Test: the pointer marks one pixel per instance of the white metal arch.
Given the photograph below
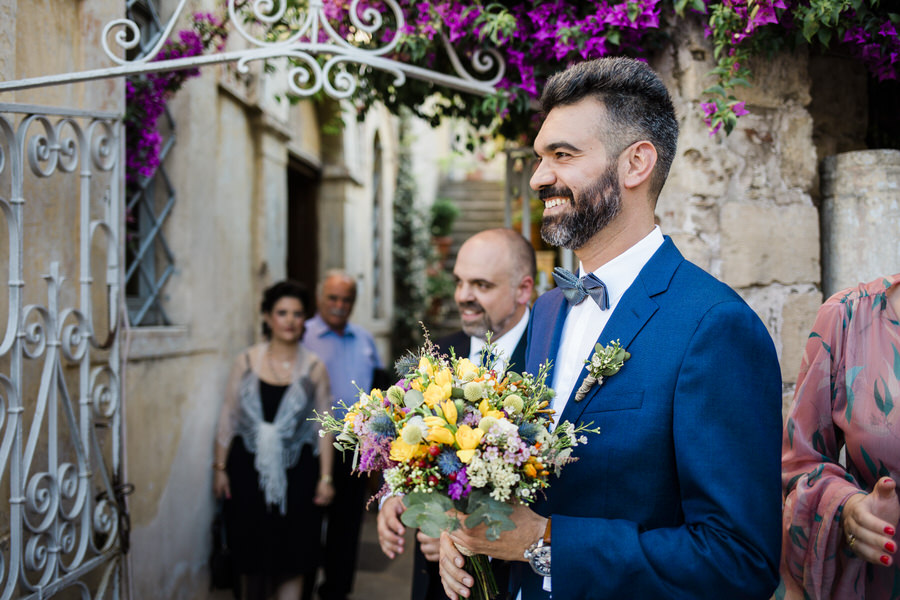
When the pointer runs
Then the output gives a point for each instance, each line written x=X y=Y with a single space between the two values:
x=314 y=36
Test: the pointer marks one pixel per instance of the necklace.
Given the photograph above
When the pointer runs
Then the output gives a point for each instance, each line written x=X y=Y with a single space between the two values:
x=281 y=369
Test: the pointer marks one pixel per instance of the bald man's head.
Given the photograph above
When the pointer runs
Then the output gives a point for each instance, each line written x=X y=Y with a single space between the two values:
x=494 y=271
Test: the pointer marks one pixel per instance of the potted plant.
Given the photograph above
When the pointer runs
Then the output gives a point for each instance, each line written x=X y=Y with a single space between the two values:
x=443 y=214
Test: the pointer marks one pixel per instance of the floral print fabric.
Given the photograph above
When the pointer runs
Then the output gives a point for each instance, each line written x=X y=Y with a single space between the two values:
x=846 y=398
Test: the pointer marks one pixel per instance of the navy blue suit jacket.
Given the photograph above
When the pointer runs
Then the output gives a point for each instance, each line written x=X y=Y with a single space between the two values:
x=679 y=496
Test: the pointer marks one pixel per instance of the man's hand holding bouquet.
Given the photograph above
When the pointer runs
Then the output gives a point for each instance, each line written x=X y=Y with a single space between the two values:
x=458 y=441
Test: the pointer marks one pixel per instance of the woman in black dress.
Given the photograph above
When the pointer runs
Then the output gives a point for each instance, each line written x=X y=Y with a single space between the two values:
x=271 y=466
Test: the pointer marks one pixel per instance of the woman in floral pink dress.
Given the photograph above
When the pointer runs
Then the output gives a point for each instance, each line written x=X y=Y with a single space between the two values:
x=840 y=521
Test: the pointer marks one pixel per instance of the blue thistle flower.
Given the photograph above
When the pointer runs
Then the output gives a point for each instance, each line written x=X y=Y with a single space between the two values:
x=529 y=432
x=448 y=462
x=383 y=426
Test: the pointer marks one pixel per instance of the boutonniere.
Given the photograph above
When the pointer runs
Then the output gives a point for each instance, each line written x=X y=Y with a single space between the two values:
x=604 y=362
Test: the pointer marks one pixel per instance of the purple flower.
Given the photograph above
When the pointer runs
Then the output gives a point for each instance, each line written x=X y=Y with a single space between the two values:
x=374 y=454
x=459 y=488
x=887 y=29
x=146 y=96
x=739 y=110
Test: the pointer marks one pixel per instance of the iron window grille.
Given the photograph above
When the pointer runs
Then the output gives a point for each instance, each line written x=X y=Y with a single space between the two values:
x=149 y=261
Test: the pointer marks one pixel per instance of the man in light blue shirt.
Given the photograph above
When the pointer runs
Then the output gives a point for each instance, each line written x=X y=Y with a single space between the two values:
x=350 y=355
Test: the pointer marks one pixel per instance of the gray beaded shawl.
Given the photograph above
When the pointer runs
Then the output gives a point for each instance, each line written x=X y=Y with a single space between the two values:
x=276 y=445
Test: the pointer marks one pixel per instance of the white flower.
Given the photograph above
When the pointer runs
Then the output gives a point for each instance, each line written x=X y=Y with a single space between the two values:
x=414 y=431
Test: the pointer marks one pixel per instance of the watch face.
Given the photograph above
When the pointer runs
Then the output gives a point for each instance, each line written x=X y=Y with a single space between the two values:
x=540 y=560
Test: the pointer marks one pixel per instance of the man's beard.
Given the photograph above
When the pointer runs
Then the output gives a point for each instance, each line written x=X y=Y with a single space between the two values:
x=592 y=210
x=480 y=328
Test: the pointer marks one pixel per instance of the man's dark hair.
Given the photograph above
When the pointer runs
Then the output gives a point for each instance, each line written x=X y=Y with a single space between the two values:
x=283 y=289
x=638 y=106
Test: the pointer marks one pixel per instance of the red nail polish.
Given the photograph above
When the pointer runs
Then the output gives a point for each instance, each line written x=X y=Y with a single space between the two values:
x=885 y=560
x=890 y=547
x=889 y=530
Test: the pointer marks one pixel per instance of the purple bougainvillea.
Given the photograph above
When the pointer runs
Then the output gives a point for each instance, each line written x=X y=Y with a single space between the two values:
x=541 y=37
x=146 y=95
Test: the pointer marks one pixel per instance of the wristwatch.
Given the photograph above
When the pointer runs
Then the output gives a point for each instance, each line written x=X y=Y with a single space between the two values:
x=538 y=554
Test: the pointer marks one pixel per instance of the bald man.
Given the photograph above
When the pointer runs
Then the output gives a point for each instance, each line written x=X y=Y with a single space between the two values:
x=495 y=272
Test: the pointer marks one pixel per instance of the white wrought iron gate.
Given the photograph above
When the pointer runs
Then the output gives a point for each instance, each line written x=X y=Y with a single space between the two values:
x=62 y=523
x=63 y=520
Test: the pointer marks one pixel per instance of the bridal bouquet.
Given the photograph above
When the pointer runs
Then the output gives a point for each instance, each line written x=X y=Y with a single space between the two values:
x=455 y=438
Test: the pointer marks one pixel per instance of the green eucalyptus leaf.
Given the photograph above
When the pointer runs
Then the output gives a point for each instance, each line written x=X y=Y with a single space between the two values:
x=482 y=508
x=428 y=512
x=413 y=399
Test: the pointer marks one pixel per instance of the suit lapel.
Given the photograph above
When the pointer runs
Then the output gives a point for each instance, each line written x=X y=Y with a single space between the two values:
x=517 y=360
x=631 y=314
x=547 y=327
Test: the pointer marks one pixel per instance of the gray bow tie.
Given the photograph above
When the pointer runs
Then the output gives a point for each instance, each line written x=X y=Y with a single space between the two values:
x=577 y=289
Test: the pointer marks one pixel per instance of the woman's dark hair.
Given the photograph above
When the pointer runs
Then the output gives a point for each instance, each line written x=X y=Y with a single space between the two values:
x=283 y=289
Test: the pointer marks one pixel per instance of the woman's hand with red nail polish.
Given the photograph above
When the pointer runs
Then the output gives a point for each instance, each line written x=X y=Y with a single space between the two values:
x=867 y=519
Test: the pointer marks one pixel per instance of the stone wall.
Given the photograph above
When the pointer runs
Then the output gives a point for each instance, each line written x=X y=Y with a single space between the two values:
x=860 y=213
x=741 y=206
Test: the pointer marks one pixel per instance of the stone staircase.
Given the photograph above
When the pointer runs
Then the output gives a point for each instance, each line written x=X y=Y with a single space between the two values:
x=482 y=206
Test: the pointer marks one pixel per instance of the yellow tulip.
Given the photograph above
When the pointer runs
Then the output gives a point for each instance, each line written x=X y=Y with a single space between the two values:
x=425 y=366
x=466 y=369
x=440 y=435
x=443 y=377
x=449 y=408
x=435 y=394
x=484 y=407
x=416 y=384
x=402 y=452
x=468 y=438
x=435 y=421
x=376 y=395
x=465 y=456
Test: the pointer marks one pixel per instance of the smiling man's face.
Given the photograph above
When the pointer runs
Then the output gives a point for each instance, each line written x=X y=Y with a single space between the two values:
x=489 y=295
x=576 y=178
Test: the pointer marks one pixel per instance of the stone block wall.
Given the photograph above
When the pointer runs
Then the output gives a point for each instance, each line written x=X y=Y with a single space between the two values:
x=742 y=206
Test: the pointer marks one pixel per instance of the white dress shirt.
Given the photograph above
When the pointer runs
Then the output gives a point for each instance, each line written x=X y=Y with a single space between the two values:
x=585 y=322
x=505 y=345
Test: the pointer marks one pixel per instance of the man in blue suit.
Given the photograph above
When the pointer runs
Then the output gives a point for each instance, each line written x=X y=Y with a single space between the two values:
x=679 y=495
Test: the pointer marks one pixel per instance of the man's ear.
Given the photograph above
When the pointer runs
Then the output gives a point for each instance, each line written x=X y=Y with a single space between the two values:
x=637 y=164
x=525 y=290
